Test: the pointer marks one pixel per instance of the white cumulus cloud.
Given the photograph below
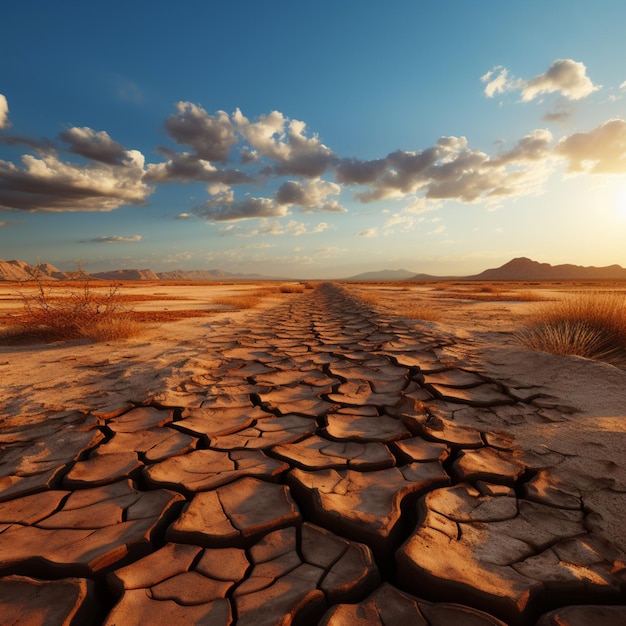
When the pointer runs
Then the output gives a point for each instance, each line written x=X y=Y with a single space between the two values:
x=599 y=151
x=498 y=81
x=4 y=112
x=184 y=167
x=221 y=210
x=564 y=76
x=95 y=145
x=211 y=136
x=450 y=170
x=285 y=142
x=48 y=184
x=312 y=195
x=370 y=232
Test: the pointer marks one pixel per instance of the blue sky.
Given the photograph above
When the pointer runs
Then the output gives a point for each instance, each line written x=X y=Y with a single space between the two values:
x=312 y=140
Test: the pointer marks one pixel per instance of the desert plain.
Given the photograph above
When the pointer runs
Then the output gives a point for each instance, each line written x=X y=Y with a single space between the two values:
x=313 y=455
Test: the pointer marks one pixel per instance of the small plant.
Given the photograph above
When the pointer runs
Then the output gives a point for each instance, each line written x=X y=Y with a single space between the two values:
x=591 y=325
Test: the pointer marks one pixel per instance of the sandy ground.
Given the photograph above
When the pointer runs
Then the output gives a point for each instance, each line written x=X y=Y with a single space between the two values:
x=589 y=396
x=46 y=378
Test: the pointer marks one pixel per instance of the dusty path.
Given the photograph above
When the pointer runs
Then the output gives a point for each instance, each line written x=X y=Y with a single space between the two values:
x=318 y=469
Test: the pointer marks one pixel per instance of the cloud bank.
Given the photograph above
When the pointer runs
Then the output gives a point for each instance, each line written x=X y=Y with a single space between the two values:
x=114 y=239
x=272 y=167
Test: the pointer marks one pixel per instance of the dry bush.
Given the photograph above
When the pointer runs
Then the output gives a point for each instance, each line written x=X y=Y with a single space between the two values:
x=418 y=311
x=493 y=289
x=113 y=327
x=291 y=289
x=243 y=301
x=246 y=300
x=76 y=313
x=526 y=295
x=369 y=297
x=591 y=325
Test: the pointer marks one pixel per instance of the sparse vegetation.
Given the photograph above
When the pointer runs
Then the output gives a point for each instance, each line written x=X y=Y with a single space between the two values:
x=489 y=293
x=591 y=325
x=413 y=309
x=247 y=299
x=241 y=301
x=50 y=314
x=291 y=288
x=419 y=311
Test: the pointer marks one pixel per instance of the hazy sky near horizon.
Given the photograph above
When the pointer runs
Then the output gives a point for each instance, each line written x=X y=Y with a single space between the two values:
x=313 y=140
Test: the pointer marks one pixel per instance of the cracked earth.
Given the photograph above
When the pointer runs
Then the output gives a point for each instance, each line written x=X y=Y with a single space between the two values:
x=321 y=463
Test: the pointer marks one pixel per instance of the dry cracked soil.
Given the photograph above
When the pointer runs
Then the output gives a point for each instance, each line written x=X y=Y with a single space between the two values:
x=320 y=470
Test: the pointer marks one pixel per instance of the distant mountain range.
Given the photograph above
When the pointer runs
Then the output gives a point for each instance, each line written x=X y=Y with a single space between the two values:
x=517 y=269
x=523 y=268
x=21 y=271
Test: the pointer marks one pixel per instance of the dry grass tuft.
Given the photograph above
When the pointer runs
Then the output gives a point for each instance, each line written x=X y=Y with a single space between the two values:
x=416 y=310
x=248 y=299
x=591 y=325
x=491 y=293
x=239 y=302
x=291 y=289
x=526 y=295
x=77 y=313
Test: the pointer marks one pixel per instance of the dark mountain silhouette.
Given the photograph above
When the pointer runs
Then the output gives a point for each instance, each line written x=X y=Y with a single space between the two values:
x=526 y=269
x=383 y=275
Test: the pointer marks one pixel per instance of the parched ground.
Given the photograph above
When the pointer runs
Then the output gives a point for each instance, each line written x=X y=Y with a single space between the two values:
x=318 y=460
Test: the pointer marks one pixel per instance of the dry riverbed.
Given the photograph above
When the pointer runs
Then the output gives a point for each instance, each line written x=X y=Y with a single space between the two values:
x=317 y=457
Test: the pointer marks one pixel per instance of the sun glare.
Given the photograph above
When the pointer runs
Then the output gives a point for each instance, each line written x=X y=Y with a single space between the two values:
x=620 y=203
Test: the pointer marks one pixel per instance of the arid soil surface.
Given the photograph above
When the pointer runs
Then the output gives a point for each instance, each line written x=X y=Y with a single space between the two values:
x=319 y=459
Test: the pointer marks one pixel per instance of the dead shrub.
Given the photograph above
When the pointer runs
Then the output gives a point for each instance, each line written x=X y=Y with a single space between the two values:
x=50 y=314
x=591 y=325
